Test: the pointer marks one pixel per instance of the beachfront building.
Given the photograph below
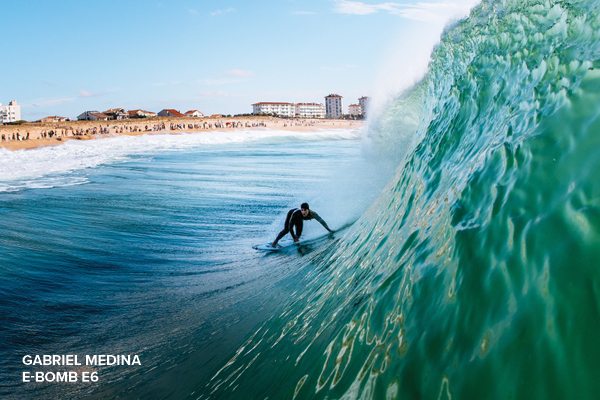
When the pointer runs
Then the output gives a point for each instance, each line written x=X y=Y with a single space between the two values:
x=281 y=109
x=310 y=110
x=92 y=116
x=355 y=110
x=10 y=113
x=194 y=114
x=333 y=106
x=364 y=104
x=141 y=114
x=54 y=118
x=116 y=113
x=284 y=109
x=170 y=112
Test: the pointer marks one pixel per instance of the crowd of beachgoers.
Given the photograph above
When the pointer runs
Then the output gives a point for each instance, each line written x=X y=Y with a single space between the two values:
x=31 y=135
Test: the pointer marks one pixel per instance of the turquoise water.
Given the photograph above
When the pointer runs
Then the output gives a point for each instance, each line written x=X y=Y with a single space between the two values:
x=473 y=273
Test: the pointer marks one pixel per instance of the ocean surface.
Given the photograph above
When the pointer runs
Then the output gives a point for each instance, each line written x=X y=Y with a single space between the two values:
x=142 y=245
x=468 y=270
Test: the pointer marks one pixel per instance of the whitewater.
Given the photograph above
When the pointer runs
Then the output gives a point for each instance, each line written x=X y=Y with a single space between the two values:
x=469 y=270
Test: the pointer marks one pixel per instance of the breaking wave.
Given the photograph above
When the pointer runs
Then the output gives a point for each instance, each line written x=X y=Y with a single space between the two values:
x=475 y=272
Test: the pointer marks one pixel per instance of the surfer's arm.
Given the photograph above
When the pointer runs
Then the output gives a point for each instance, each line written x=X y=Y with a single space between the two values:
x=298 y=230
x=294 y=236
x=321 y=221
x=293 y=226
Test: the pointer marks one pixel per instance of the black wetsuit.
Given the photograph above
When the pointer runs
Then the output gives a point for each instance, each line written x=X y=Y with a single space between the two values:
x=295 y=219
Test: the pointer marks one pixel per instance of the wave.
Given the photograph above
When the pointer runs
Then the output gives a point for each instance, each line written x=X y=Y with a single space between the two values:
x=474 y=273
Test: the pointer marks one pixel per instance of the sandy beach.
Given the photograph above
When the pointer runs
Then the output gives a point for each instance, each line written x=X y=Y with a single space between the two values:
x=34 y=135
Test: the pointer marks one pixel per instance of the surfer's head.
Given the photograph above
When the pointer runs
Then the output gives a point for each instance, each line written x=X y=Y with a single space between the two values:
x=304 y=209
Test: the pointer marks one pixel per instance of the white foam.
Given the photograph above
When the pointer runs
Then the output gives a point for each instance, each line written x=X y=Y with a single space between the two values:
x=24 y=168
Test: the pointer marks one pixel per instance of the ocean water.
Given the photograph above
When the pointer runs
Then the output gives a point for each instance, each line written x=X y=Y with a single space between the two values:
x=476 y=272
x=142 y=245
x=470 y=272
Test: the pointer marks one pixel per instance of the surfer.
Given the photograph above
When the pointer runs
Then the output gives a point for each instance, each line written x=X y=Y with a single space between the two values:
x=295 y=219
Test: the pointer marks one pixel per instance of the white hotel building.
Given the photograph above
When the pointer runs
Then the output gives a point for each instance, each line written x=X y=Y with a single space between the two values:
x=279 y=109
x=301 y=110
x=310 y=110
x=10 y=113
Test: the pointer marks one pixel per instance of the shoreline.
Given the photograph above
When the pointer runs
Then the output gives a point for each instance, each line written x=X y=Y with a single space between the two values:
x=35 y=135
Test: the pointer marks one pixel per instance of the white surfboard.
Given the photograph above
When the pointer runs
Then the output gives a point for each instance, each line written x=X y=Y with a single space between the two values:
x=304 y=243
x=266 y=247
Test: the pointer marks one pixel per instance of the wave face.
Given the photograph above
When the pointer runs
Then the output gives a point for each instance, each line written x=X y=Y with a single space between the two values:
x=475 y=274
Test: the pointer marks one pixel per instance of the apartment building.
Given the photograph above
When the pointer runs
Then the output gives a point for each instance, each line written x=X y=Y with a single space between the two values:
x=10 y=112
x=333 y=106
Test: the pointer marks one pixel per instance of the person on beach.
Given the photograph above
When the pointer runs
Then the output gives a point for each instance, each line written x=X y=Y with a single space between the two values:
x=295 y=219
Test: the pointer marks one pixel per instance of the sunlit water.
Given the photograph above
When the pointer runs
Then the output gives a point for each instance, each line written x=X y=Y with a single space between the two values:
x=472 y=274
x=150 y=253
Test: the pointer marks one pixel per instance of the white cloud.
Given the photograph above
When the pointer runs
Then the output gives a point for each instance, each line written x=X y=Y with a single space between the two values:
x=338 y=68
x=420 y=11
x=170 y=83
x=86 y=93
x=239 y=73
x=52 y=102
x=360 y=8
x=57 y=101
x=217 y=93
x=235 y=75
x=217 y=81
x=436 y=11
x=222 y=11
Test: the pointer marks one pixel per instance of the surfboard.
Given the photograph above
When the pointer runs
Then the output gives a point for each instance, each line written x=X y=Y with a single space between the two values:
x=303 y=244
x=266 y=247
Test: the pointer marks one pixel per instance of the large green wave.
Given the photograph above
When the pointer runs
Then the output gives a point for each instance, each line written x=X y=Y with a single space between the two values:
x=476 y=273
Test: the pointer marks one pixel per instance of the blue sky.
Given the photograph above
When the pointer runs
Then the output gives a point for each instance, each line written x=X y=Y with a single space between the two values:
x=65 y=57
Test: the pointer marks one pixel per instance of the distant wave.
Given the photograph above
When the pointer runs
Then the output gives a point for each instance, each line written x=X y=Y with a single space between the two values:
x=47 y=166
